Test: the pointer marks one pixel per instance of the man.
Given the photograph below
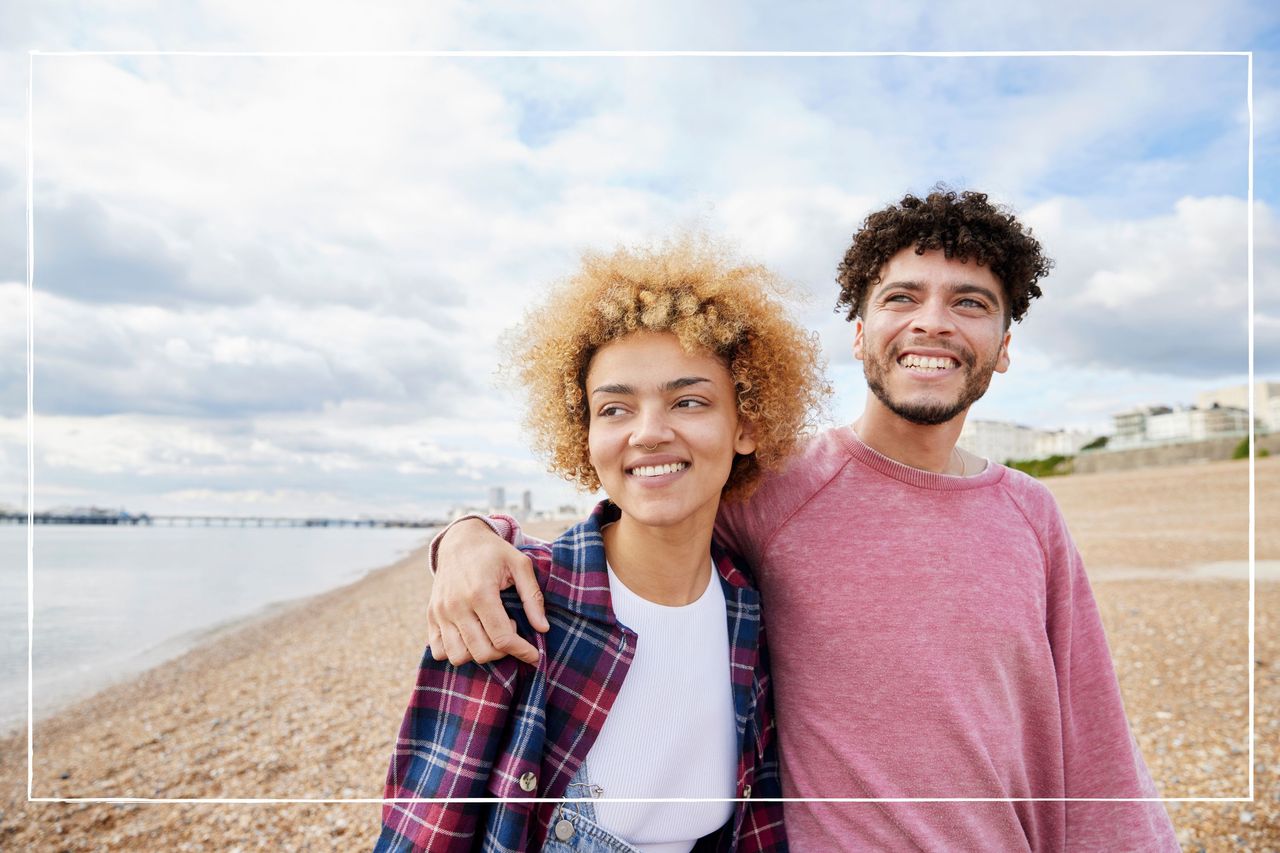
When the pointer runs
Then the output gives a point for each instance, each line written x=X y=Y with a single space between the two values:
x=932 y=630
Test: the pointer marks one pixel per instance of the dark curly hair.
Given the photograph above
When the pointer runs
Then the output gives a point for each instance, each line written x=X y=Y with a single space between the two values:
x=964 y=226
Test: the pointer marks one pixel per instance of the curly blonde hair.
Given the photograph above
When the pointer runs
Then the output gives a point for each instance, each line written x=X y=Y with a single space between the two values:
x=696 y=290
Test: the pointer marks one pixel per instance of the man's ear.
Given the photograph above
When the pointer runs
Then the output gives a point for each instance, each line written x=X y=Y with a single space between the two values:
x=1002 y=360
x=857 y=338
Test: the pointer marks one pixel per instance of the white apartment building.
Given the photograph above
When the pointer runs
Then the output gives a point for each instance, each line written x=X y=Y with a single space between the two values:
x=1062 y=442
x=497 y=499
x=1131 y=426
x=1196 y=424
x=1001 y=440
x=1215 y=416
x=1266 y=402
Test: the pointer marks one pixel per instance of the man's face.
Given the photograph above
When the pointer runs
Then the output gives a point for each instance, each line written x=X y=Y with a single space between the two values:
x=931 y=334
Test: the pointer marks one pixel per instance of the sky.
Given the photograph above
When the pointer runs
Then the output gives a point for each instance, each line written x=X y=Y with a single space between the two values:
x=276 y=285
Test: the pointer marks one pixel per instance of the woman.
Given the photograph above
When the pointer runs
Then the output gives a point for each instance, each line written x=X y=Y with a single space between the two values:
x=671 y=378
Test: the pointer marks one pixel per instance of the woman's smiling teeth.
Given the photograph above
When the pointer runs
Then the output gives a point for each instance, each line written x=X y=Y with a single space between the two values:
x=924 y=362
x=658 y=470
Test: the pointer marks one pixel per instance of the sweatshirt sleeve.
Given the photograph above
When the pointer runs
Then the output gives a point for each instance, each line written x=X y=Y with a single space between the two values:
x=736 y=531
x=1100 y=756
x=503 y=525
x=747 y=527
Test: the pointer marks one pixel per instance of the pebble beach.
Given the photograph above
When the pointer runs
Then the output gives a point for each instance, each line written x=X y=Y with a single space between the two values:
x=304 y=703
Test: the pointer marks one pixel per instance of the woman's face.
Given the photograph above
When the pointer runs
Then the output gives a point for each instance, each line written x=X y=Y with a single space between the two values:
x=664 y=428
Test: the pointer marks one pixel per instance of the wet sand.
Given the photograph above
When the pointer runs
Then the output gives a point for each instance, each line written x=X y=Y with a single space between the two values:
x=305 y=702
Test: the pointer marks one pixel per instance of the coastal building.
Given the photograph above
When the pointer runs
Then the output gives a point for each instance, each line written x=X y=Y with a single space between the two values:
x=998 y=440
x=1061 y=442
x=1130 y=426
x=1216 y=415
x=1266 y=402
x=1001 y=441
x=497 y=499
x=1196 y=424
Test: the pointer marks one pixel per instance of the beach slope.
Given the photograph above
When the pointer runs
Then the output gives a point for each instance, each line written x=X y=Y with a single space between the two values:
x=306 y=702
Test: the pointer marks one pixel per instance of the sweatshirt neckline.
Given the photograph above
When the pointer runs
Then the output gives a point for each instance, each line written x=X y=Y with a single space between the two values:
x=877 y=461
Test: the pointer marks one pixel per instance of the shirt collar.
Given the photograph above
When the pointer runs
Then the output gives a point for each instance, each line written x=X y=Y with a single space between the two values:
x=578 y=579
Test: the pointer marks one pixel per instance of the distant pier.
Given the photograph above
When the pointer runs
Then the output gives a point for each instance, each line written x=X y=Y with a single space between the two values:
x=146 y=520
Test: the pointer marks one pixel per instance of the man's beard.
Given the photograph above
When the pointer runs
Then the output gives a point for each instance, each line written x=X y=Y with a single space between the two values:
x=936 y=412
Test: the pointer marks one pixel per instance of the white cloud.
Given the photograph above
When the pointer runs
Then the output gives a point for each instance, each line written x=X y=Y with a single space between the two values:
x=233 y=361
x=1165 y=294
x=295 y=270
x=359 y=457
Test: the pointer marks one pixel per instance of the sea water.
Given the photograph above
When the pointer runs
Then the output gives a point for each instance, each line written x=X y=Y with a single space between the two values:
x=111 y=601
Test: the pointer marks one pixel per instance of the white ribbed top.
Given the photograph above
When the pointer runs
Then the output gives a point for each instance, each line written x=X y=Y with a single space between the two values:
x=671 y=731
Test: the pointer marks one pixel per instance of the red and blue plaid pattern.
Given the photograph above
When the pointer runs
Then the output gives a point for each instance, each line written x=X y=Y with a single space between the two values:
x=479 y=730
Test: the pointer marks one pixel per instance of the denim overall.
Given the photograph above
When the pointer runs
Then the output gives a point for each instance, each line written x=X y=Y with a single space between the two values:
x=574 y=828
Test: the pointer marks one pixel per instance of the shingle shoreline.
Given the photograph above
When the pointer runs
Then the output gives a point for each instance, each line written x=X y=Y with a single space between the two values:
x=305 y=702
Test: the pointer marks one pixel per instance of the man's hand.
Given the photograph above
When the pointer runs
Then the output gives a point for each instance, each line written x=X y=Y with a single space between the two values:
x=465 y=618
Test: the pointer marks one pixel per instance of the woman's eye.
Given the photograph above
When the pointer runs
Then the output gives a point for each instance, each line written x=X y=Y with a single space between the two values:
x=611 y=411
x=690 y=403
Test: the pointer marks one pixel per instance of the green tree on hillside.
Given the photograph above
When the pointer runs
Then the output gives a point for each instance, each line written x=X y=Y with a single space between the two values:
x=1050 y=466
x=1242 y=450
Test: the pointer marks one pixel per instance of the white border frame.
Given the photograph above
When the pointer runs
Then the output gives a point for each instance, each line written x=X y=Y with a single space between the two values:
x=635 y=54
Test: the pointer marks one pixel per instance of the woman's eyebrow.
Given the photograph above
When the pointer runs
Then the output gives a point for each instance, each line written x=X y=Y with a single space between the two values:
x=684 y=382
x=673 y=385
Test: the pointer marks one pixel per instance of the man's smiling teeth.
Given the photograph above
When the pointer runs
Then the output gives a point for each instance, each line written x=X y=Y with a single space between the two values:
x=924 y=362
x=658 y=470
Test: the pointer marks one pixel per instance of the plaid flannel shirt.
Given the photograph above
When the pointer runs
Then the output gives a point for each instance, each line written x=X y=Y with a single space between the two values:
x=511 y=730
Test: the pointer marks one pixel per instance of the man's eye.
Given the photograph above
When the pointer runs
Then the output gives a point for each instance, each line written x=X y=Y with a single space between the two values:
x=968 y=302
x=897 y=297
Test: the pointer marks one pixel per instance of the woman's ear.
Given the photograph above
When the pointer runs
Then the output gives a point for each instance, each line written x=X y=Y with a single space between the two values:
x=744 y=442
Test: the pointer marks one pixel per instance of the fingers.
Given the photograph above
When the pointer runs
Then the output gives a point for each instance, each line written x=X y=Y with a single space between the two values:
x=460 y=634
x=435 y=641
x=435 y=638
x=479 y=649
x=474 y=642
x=489 y=637
x=466 y=619
x=502 y=636
x=526 y=582
x=433 y=633
x=455 y=649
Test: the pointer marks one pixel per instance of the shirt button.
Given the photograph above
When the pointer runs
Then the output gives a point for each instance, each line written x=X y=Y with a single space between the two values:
x=528 y=781
x=746 y=792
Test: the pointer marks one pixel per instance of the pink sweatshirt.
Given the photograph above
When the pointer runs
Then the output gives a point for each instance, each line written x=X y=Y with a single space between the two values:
x=935 y=636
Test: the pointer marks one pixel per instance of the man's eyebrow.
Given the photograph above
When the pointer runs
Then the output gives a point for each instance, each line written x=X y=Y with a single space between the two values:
x=958 y=287
x=978 y=289
x=674 y=385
